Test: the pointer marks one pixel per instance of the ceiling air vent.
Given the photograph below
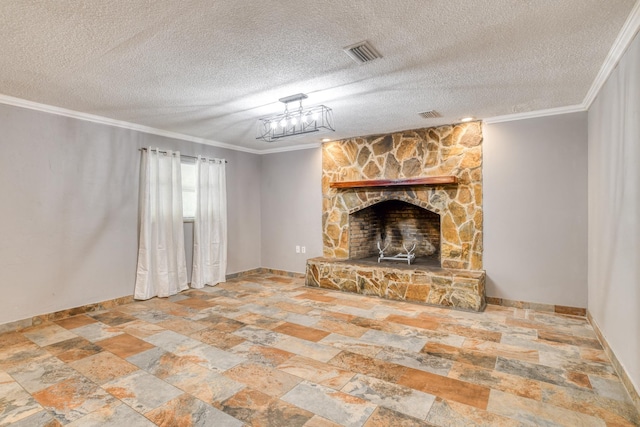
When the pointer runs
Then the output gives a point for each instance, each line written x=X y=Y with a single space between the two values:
x=362 y=52
x=431 y=114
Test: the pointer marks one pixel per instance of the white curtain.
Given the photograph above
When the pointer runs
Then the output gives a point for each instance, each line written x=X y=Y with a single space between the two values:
x=210 y=224
x=162 y=267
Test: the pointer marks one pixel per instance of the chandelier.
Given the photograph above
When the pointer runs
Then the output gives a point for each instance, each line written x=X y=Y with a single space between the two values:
x=295 y=121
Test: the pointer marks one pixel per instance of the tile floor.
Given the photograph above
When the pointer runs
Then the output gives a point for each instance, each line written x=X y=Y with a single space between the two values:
x=263 y=350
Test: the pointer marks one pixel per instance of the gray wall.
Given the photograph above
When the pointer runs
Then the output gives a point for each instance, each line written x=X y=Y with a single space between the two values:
x=535 y=209
x=614 y=211
x=68 y=216
x=291 y=208
x=70 y=204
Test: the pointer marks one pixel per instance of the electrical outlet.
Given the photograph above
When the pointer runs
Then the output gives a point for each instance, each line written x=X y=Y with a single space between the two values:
x=304 y=249
x=297 y=249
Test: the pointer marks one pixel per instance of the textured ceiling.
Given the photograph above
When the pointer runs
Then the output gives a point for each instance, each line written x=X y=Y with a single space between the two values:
x=209 y=69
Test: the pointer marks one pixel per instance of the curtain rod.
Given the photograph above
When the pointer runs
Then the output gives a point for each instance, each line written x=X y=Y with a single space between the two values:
x=184 y=155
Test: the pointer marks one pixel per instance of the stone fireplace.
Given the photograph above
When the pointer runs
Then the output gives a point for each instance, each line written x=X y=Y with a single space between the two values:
x=421 y=186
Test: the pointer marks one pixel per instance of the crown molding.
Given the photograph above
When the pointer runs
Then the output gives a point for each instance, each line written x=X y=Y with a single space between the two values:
x=622 y=42
x=23 y=103
x=533 y=114
x=291 y=148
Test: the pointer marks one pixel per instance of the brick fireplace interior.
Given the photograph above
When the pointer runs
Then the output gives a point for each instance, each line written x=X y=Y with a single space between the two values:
x=419 y=186
x=396 y=226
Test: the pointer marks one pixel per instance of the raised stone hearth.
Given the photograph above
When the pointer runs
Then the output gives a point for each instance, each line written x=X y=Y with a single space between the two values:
x=420 y=186
x=462 y=289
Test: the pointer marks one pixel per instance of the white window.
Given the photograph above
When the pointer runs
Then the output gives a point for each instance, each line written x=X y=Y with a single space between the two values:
x=188 y=190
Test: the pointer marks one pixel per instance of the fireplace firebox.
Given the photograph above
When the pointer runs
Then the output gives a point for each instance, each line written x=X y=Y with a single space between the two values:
x=395 y=227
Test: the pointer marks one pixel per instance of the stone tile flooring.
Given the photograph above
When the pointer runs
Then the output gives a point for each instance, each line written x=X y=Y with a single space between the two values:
x=263 y=350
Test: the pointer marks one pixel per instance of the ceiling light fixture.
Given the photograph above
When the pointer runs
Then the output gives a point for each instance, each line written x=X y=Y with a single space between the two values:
x=467 y=119
x=295 y=122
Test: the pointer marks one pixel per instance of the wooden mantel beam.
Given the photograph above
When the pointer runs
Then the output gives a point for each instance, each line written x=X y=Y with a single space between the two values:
x=430 y=180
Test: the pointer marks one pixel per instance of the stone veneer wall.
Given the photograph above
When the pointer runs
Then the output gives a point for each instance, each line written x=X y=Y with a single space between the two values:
x=444 y=150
